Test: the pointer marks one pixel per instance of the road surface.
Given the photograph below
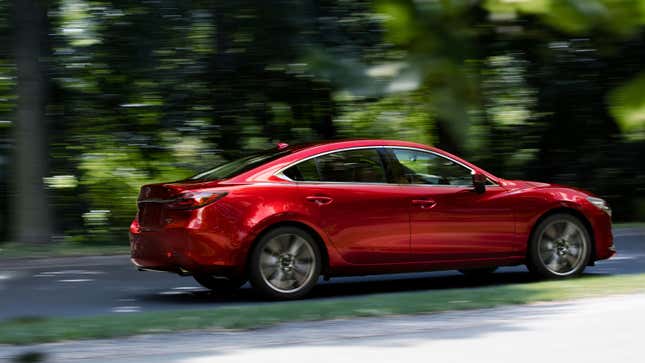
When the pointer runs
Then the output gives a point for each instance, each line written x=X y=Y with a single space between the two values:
x=111 y=285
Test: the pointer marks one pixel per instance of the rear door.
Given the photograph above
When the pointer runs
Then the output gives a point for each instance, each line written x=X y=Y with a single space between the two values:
x=365 y=218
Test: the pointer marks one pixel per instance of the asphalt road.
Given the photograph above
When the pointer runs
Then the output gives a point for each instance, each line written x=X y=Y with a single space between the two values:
x=111 y=285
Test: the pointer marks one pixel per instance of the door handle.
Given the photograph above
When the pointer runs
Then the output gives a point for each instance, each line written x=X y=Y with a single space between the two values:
x=424 y=203
x=319 y=199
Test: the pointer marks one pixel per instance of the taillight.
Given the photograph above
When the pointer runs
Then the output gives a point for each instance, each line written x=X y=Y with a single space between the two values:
x=192 y=200
x=134 y=226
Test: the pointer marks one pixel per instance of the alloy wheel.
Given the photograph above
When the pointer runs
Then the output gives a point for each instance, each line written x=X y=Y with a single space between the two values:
x=287 y=263
x=562 y=247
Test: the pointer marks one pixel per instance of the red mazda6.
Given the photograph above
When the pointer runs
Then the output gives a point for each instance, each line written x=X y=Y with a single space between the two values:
x=284 y=217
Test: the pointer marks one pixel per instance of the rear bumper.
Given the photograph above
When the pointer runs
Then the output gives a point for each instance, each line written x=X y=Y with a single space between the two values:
x=182 y=251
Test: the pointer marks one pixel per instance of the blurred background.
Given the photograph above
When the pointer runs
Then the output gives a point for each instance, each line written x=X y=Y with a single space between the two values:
x=98 y=97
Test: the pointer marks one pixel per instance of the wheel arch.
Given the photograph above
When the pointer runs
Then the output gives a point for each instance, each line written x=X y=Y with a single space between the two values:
x=575 y=213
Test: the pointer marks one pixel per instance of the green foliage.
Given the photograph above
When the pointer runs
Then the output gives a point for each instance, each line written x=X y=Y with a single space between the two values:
x=155 y=91
x=398 y=20
x=627 y=106
x=403 y=116
x=579 y=17
x=111 y=177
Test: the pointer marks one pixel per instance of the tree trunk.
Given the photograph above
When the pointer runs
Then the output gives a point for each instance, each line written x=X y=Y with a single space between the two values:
x=31 y=222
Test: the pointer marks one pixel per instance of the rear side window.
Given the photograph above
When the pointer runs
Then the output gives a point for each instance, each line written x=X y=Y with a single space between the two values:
x=351 y=166
x=304 y=171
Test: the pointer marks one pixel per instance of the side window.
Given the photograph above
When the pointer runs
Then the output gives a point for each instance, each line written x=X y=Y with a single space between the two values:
x=353 y=166
x=303 y=171
x=419 y=167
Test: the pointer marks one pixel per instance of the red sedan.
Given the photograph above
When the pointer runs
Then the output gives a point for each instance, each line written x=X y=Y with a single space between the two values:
x=282 y=218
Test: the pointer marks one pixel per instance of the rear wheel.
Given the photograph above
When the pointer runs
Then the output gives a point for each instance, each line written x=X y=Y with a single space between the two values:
x=285 y=263
x=560 y=247
x=219 y=284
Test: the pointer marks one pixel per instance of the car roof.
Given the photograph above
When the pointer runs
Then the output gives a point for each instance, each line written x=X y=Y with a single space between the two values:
x=337 y=144
x=301 y=151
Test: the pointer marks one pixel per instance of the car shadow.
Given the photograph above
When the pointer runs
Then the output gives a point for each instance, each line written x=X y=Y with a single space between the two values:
x=418 y=283
x=353 y=286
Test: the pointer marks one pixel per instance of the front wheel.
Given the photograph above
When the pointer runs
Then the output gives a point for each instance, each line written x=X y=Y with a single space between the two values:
x=560 y=247
x=285 y=263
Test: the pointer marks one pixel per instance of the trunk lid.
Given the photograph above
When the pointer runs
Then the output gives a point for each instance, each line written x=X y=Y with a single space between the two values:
x=168 y=191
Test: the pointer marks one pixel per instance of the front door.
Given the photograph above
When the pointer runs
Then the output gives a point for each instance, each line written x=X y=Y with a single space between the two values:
x=448 y=219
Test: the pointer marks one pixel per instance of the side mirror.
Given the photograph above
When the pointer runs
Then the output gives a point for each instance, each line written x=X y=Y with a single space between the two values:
x=479 y=182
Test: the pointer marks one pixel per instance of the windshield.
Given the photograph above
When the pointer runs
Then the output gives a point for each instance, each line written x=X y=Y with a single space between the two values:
x=239 y=166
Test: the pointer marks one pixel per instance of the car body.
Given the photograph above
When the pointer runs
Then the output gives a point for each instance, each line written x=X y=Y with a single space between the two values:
x=369 y=206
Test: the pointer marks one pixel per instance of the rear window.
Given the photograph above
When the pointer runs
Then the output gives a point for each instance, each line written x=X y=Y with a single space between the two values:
x=241 y=165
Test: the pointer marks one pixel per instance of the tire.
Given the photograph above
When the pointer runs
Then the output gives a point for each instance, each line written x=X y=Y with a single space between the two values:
x=285 y=263
x=219 y=284
x=560 y=247
x=478 y=272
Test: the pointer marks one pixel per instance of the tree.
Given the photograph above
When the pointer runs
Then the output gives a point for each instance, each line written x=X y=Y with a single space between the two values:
x=30 y=207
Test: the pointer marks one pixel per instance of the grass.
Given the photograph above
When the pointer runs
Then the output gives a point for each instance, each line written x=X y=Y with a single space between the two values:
x=30 y=330
x=16 y=250
x=628 y=225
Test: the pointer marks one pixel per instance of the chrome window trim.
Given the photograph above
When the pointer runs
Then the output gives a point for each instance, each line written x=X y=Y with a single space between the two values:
x=281 y=175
